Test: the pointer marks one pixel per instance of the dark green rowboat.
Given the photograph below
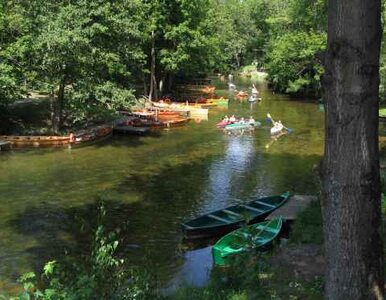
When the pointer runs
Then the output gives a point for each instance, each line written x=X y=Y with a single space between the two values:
x=232 y=217
x=245 y=240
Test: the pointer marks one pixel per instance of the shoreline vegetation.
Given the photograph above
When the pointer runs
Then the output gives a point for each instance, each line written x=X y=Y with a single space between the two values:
x=284 y=271
x=292 y=269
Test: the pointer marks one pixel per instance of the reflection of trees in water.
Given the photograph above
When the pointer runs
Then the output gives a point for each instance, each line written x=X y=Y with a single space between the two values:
x=152 y=234
x=232 y=176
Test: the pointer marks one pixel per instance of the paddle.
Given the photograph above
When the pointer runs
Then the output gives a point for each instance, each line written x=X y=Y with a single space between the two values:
x=269 y=117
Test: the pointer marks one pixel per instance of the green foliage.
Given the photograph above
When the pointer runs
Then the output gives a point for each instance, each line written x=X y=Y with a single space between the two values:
x=292 y=66
x=297 y=34
x=97 y=275
x=382 y=67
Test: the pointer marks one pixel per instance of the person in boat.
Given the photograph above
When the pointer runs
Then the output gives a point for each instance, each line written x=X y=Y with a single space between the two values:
x=277 y=127
x=72 y=137
x=251 y=121
x=225 y=119
x=242 y=121
x=242 y=94
x=255 y=92
x=232 y=119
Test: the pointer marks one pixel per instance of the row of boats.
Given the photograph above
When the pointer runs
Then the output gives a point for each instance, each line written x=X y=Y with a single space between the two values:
x=239 y=224
x=162 y=114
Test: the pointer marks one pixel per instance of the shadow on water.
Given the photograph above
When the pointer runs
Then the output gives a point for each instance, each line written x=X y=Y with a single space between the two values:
x=151 y=227
x=153 y=184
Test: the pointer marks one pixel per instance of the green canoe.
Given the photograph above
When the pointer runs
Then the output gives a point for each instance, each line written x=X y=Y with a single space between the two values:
x=245 y=240
x=239 y=126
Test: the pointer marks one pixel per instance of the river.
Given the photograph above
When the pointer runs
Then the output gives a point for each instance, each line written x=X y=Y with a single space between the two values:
x=151 y=184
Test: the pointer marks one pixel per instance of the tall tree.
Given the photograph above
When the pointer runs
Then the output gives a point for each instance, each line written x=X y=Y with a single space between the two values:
x=350 y=171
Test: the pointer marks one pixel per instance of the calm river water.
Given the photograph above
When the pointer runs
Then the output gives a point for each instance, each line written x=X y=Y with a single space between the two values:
x=151 y=184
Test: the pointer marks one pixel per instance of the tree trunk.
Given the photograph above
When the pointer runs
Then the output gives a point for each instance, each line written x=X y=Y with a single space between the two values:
x=153 y=81
x=350 y=171
x=58 y=109
x=144 y=85
x=237 y=57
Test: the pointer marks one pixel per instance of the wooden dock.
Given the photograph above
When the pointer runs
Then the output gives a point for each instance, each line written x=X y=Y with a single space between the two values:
x=293 y=207
x=5 y=145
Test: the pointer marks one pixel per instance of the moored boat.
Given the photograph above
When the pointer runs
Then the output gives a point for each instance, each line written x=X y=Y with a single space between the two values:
x=92 y=135
x=160 y=123
x=244 y=240
x=219 y=101
x=129 y=129
x=80 y=137
x=36 y=141
x=232 y=217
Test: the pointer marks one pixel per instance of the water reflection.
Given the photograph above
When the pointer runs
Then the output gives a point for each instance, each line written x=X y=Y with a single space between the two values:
x=225 y=171
x=274 y=138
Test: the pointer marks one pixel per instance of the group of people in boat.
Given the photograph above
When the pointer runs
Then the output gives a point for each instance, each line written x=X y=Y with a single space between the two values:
x=277 y=128
x=232 y=119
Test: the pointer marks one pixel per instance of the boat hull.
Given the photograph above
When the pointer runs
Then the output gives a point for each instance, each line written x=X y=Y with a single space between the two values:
x=237 y=126
x=245 y=240
x=81 y=137
x=232 y=217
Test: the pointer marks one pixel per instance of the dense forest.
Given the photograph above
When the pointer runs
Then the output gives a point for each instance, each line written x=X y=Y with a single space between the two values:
x=95 y=56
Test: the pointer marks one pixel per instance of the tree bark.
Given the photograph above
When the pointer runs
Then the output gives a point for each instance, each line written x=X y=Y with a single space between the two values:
x=58 y=109
x=351 y=203
x=153 y=81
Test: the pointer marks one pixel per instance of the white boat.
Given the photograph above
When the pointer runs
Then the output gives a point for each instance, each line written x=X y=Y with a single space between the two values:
x=277 y=128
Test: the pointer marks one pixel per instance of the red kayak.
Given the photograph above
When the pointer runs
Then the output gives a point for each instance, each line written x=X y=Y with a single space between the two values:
x=223 y=123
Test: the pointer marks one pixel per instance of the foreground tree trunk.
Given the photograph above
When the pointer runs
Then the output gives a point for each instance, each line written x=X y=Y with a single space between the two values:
x=350 y=171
